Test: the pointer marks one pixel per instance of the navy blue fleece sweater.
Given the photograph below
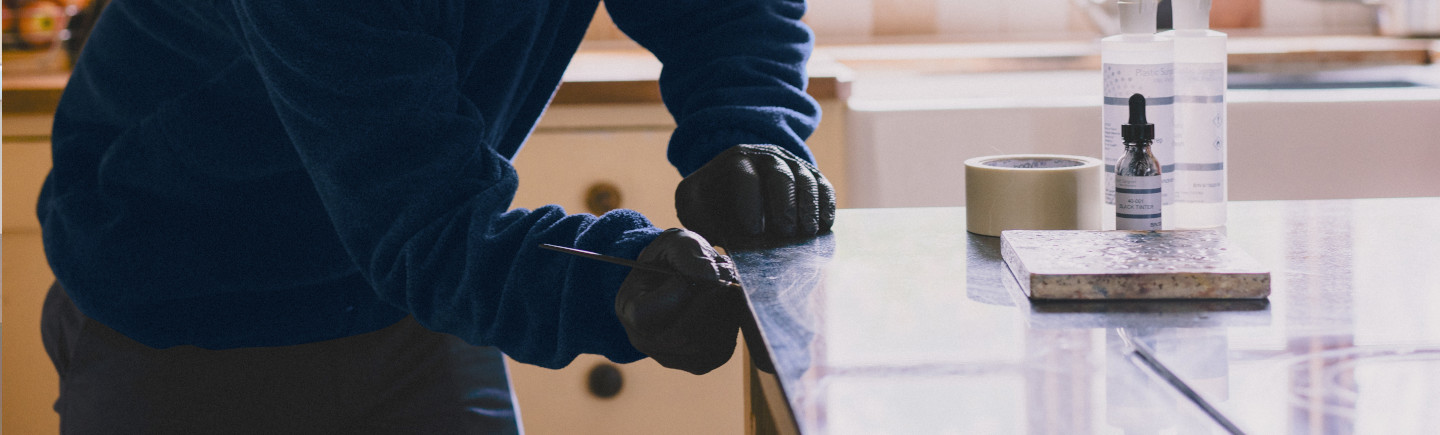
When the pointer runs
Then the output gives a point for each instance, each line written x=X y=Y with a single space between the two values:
x=237 y=173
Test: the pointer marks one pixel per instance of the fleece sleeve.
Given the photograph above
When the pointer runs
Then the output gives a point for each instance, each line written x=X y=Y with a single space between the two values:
x=734 y=72
x=371 y=102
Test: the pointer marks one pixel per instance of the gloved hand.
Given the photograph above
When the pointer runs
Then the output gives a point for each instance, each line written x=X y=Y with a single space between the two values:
x=752 y=193
x=686 y=322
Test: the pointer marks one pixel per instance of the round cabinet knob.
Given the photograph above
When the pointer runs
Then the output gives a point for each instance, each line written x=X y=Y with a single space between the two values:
x=40 y=23
x=605 y=380
x=602 y=197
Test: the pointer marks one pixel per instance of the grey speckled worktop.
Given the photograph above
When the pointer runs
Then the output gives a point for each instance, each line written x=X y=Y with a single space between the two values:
x=901 y=322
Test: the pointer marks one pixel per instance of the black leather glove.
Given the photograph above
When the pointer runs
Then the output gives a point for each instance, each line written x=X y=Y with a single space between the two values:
x=753 y=193
x=686 y=322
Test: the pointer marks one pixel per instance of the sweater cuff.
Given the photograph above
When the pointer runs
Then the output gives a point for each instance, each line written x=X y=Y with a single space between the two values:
x=607 y=336
x=690 y=150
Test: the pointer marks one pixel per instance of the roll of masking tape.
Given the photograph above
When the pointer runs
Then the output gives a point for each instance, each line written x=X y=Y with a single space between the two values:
x=1032 y=192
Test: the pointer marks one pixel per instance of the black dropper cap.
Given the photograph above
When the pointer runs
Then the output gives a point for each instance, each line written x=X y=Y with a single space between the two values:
x=1137 y=129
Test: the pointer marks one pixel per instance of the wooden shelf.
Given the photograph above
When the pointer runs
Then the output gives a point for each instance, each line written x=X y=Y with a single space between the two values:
x=594 y=77
x=1246 y=53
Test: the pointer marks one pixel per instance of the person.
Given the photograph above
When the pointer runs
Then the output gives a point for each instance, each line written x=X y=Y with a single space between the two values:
x=272 y=216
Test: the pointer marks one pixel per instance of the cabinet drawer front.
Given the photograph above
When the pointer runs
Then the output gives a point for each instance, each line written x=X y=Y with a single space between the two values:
x=651 y=400
x=26 y=160
x=565 y=167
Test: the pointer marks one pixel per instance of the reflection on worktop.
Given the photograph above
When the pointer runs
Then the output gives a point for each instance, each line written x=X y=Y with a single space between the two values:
x=900 y=322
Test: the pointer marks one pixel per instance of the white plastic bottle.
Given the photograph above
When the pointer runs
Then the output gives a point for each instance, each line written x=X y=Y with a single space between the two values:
x=1138 y=61
x=1200 y=79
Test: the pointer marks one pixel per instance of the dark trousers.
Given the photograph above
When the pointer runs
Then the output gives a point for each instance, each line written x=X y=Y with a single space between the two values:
x=403 y=379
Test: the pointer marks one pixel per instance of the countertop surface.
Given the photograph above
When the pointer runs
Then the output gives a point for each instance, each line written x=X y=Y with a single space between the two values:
x=901 y=322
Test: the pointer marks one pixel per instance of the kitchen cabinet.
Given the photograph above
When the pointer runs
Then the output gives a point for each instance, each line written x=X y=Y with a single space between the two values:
x=588 y=159
x=30 y=385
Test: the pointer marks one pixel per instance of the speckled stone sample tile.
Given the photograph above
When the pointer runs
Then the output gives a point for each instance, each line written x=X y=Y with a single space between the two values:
x=1192 y=264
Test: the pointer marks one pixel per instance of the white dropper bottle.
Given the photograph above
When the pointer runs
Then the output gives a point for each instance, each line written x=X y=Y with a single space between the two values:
x=1200 y=124
x=1138 y=61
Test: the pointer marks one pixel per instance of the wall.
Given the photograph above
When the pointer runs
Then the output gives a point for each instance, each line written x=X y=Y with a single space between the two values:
x=845 y=21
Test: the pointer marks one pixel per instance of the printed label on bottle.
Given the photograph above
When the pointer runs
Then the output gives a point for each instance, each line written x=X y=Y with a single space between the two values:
x=1199 y=186
x=1157 y=83
x=1200 y=132
x=1137 y=202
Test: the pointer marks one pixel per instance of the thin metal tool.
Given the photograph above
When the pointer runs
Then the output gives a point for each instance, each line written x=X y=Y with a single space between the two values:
x=622 y=261
x=1146 y=356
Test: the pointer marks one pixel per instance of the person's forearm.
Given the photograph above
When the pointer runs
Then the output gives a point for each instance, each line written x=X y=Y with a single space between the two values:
x=734 y=73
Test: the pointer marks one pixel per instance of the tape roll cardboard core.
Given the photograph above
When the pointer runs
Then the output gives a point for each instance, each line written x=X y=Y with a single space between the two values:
x=1032 y=192
x=1032 y=163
